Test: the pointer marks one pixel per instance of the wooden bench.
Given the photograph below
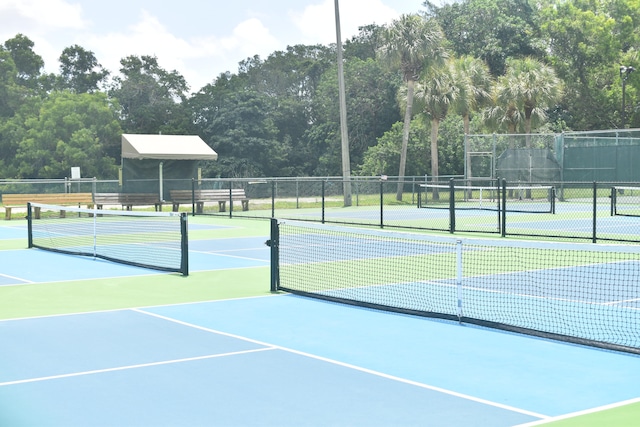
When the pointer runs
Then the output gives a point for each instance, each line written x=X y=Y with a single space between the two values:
x=128 y=200
x=200 y=197
x=11 y=201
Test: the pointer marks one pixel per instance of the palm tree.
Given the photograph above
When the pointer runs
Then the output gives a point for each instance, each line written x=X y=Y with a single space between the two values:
x=537 y=87
x=437 y=93
x=412 y=44
x=473 y=79
x=524 y=93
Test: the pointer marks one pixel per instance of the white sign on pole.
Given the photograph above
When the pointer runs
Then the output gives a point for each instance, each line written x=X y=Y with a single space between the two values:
x=75 y=172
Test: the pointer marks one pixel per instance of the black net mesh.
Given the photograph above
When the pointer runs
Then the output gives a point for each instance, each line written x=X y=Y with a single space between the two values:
x=583 y=293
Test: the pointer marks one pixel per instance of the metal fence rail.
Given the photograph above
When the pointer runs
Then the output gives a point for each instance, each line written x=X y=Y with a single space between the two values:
x=576 y=211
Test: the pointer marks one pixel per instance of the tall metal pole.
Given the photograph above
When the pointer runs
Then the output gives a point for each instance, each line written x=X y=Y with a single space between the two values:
x=624 y=84
x=346 y=161
x=624 y=75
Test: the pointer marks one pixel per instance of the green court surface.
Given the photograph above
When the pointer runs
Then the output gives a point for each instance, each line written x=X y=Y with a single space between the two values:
x=158 y=289
x=42 y=299
x=621 y=416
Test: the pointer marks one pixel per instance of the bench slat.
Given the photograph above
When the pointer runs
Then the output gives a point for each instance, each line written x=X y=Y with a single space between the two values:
x=11 y=200
x=128 y=200
x=202 y=196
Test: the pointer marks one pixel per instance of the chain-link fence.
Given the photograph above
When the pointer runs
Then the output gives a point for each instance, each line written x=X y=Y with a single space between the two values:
x=591 y=211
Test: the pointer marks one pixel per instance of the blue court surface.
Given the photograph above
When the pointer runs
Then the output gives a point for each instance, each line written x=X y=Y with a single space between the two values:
x=204 y=255
x=279 y=360
x=289 y=361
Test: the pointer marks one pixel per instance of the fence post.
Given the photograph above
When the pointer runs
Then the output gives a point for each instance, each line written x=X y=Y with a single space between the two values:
x=452 y=207
x=381 y=203
x=595 y=211
x=193 y=197
x=503 y=210
x=323 y=189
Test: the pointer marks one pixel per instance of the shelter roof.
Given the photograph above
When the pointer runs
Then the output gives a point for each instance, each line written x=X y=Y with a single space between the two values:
x=166 y=147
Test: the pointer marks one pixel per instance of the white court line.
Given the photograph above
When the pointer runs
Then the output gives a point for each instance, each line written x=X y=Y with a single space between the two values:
x=113 y=310
x=229 y=256
x=576 y=414
x=24 y=281
x=123 y=368
x=222 y=251
x=347 y=365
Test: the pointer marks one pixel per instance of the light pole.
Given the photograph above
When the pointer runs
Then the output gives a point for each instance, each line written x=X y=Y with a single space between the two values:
x=624 y=75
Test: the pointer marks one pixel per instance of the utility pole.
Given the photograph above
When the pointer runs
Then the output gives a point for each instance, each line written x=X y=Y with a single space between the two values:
x=346 y=161
x=624 y=75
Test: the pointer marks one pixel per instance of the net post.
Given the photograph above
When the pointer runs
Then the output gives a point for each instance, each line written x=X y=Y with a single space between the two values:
x=452 y=207
x=273 y=198
x=595 y=211
x=553 y=199
x=503 y=211
x=613 y=201
x=274 y=244
x=459 y=278
x=496 y=184
x=184 y=244
x=29 y=226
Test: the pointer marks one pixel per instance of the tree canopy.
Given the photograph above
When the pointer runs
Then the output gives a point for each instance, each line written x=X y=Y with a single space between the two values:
x=511 y=66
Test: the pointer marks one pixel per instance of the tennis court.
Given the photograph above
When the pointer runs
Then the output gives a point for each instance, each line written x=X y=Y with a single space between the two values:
x=91 y=342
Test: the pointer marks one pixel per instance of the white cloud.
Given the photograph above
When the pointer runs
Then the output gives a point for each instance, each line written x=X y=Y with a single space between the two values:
x=40 y=21
x=200 y=55
x=39 y=16
x=317 y=22
x=149 y=37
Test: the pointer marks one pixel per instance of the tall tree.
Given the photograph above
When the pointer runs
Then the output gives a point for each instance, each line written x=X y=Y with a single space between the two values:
x=243 y=133
x=537 y=85
x=28 y=63
x=411 y=44
x=80 y=70
x=372 y=109
x=473 y=81
x=584 y=49
x=437 y=93
x=492 y=30
x=70 y=130
x=152 y=99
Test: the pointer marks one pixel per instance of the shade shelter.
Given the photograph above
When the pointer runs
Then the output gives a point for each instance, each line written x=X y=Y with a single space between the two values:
x=160 y=163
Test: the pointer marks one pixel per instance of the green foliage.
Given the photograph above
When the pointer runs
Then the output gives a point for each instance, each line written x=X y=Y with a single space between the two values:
x=243 y=134
x=152 y=99
x=27 y=62
x=80 y=70
x=585 y=43
x=69 y=130
x=491 y=30
x=384 y=158
x=279 y=116
x=371 y=110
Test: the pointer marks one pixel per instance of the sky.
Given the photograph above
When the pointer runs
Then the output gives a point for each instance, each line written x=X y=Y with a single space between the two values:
x=198 y=38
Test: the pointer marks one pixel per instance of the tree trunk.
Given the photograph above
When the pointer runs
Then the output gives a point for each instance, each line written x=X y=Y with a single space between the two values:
x=467 y=151
x=435 y=124
x=405 y=137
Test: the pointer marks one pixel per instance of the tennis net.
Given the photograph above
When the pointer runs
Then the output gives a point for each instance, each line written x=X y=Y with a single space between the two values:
x=625 y=201
x=581 y=293
x=156 y=240
x=528 y=199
